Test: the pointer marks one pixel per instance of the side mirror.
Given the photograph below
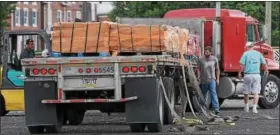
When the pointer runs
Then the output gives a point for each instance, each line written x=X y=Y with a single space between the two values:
x=263 y=40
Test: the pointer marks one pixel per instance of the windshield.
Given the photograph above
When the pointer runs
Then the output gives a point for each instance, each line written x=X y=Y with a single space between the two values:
x=250 y=31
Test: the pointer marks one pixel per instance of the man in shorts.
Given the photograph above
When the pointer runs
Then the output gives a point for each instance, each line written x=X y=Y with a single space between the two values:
x=251 y=61
x=209 y=75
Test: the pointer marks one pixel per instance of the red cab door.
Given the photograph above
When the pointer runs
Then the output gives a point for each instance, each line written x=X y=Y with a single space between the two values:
x=233 y=42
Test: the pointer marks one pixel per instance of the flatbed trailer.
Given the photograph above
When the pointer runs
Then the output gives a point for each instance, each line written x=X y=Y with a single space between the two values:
x=127 y=84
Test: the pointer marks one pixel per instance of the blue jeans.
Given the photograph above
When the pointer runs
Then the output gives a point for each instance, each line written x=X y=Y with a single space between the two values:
x=211 y=87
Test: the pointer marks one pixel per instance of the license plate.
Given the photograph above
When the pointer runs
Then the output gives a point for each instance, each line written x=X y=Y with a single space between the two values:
x=89 y=82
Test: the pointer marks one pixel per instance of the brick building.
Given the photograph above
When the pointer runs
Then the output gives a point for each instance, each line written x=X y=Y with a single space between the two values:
x=34 y=15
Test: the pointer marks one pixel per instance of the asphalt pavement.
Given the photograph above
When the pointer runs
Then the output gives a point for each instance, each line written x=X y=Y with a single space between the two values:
x=96 y=123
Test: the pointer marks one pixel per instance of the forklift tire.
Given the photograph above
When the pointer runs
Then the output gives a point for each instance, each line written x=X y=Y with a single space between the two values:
x=137 y=127
x=169 y=87
x=270 y=93
x=157 y=127
x=3 y=110
x=36 y=129
x=75 y=117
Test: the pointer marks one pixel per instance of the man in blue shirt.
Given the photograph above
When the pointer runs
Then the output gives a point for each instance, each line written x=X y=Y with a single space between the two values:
x=251 y=61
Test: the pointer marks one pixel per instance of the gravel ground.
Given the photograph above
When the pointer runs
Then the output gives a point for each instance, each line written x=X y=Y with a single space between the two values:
x=97 y=123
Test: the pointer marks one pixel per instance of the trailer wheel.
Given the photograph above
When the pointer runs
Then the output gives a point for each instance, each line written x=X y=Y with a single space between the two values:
x=3 y=111
x=157 y=127
x=36 y=129
x=75 y=117
x=137 y=127
x=169 y=87
x=270 y=92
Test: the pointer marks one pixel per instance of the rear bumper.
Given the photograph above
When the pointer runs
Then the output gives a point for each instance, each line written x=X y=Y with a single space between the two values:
x=56 y=101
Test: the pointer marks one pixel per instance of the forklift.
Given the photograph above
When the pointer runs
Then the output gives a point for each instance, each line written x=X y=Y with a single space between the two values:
x=12 y=77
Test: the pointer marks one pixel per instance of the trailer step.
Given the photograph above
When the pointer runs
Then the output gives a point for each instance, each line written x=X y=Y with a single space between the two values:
x=250 y=96
x=56 y=101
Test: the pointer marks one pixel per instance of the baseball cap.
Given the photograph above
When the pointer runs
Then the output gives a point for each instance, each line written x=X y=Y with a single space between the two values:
x=248 y=44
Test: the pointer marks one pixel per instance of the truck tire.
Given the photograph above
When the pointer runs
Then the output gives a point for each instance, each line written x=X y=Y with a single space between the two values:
x=75 y=117
x=157 y=127
x=3 y=110
x=53 y=129
x=36 y=129
x=169 y=87
x=56 y=128
x=270 y=92
x=137 y=127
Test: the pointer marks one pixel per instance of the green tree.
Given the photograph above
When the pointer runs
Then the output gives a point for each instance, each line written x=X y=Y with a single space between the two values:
x=158 y=9
x=6 y=8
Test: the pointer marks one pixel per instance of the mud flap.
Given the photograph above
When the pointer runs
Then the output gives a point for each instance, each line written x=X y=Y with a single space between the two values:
x=144 y=109
x=37 y=113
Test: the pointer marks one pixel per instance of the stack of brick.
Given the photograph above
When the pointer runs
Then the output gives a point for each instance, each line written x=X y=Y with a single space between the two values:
x=113 y=37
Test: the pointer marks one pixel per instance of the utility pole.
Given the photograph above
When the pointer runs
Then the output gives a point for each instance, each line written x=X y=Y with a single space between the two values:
x=268 y=21
x=49 y=18
x=216 y=38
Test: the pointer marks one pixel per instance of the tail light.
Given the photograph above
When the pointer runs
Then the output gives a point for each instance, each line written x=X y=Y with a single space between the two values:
x=134 y=69
x=44 y=71
x=96 y=70
x=125 y=69
x=80 y=70
x=142 y=69
x=51 y=71
x=88 y=70
x=35 y=71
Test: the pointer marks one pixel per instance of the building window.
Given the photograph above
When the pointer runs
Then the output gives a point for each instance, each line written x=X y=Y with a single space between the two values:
x=69 y=16
x=25 y=17
x=34 y=3
x=78 y=14
x=25 y=3
x=17 y=16
x=34 y=17
x=58 y=16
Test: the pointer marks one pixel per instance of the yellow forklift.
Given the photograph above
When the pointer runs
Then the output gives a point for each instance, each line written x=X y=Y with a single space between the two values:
x=11 y=75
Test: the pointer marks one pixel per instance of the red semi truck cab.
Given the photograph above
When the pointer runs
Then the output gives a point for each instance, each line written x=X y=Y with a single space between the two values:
x=236 y=30
x=228 y=34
